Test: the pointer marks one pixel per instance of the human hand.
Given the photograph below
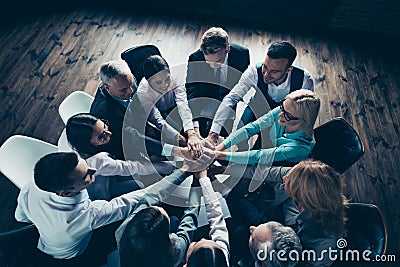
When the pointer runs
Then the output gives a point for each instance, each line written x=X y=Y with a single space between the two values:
x=182 y=140
x=197 y=165
x=220 y=147
x=207 y=144
x=213 y=138
x=194 y=144
x=200 y=174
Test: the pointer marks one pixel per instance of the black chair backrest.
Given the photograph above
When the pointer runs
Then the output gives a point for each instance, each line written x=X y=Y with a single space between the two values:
x=337 y=144
x=17 y=247
x=135 y=57
x=366 y=228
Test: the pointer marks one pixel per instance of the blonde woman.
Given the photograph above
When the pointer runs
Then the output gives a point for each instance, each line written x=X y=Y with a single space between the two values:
x=289 y=127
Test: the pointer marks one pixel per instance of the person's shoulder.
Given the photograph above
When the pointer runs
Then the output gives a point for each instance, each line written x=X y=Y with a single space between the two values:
x=238 y=47
x=301 y=69
x=196 y=56
x=100 y=99
x=142 y=87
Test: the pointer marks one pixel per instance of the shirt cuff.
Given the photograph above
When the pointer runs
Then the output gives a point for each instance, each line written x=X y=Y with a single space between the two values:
x=195 y=124
x=227 y=143
x=228 y=157
x=167 y=150
x=204 y=181
x=189 y=126
x=216 y=128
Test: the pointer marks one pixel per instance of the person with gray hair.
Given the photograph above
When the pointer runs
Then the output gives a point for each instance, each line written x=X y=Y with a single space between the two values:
x=118 y=85
x=274 y=245
x=115 y=97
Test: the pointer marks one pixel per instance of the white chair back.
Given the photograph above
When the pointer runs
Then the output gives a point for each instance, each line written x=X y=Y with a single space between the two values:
x=76 y=102
x=18 y=156
x=62 y=144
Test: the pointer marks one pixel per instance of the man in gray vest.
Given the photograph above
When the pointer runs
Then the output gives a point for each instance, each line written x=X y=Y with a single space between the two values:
x=273 y=80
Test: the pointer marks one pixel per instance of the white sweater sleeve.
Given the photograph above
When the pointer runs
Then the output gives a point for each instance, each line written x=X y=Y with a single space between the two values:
x=218 y=229
x=107 y=166
x=183 y=108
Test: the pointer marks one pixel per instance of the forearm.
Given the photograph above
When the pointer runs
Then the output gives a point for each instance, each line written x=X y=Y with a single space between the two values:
x=225 y=111
x=159 y=191
x=221 y=155
x=188 y=222
x=218 y=230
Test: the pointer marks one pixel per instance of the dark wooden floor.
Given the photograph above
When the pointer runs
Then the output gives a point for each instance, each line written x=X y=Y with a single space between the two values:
x=43 y=61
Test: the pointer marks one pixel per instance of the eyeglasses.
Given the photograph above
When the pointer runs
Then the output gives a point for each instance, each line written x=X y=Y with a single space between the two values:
x=103 y=136
x=134 y=87
x=287 y=115
x=91 y=172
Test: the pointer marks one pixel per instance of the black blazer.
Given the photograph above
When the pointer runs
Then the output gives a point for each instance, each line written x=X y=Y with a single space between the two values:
x=200 y=78
x=106 y=107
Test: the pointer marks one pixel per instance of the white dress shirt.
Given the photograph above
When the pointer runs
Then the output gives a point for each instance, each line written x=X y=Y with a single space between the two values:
x=107 y=166
x=249 y=80
x=153 y=101
x=66 y=224
x=224 y=70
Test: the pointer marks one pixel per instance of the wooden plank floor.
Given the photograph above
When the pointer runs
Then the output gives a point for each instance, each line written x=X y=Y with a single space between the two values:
x=43 y=61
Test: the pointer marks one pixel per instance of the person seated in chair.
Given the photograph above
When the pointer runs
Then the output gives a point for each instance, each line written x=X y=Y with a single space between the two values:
x=69 y=223
x=273 y=80
x=311 y=196
x=114 y=98
x=211 y=73
x=144 y=238
x=276 y=238
x=163 y=98
x=87 y=135
x=214 y=252
x=289 y=127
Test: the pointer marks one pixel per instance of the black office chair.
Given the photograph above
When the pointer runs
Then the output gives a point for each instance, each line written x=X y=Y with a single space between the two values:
x=17 y=247
x=366 y=230
x=337 y=144
x=136 y=55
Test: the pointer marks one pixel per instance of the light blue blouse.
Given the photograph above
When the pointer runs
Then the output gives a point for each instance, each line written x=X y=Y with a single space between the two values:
x=292 y=147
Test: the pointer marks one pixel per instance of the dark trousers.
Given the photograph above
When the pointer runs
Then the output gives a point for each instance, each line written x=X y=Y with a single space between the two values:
x=247 y=117
x=101 y=244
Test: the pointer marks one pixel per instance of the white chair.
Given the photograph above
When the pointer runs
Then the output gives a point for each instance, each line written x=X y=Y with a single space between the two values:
x=62 y=144
x=76 y=102
x=19 y=155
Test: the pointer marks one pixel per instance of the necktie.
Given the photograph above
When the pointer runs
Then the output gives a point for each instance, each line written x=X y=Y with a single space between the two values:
x=218 y=76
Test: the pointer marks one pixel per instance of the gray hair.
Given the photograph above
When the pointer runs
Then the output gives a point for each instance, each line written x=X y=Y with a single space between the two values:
x=112 y=69
x=283 y=239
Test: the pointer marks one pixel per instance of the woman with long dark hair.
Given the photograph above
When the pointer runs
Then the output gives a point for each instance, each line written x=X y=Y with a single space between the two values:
x=89 y=135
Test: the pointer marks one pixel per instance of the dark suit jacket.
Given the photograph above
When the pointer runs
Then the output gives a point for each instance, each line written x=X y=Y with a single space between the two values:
x=200 y=79
x=106 y=107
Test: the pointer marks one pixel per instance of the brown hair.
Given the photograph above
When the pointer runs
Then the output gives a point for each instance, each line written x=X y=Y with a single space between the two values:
x=213 y=40
x=318 y=189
